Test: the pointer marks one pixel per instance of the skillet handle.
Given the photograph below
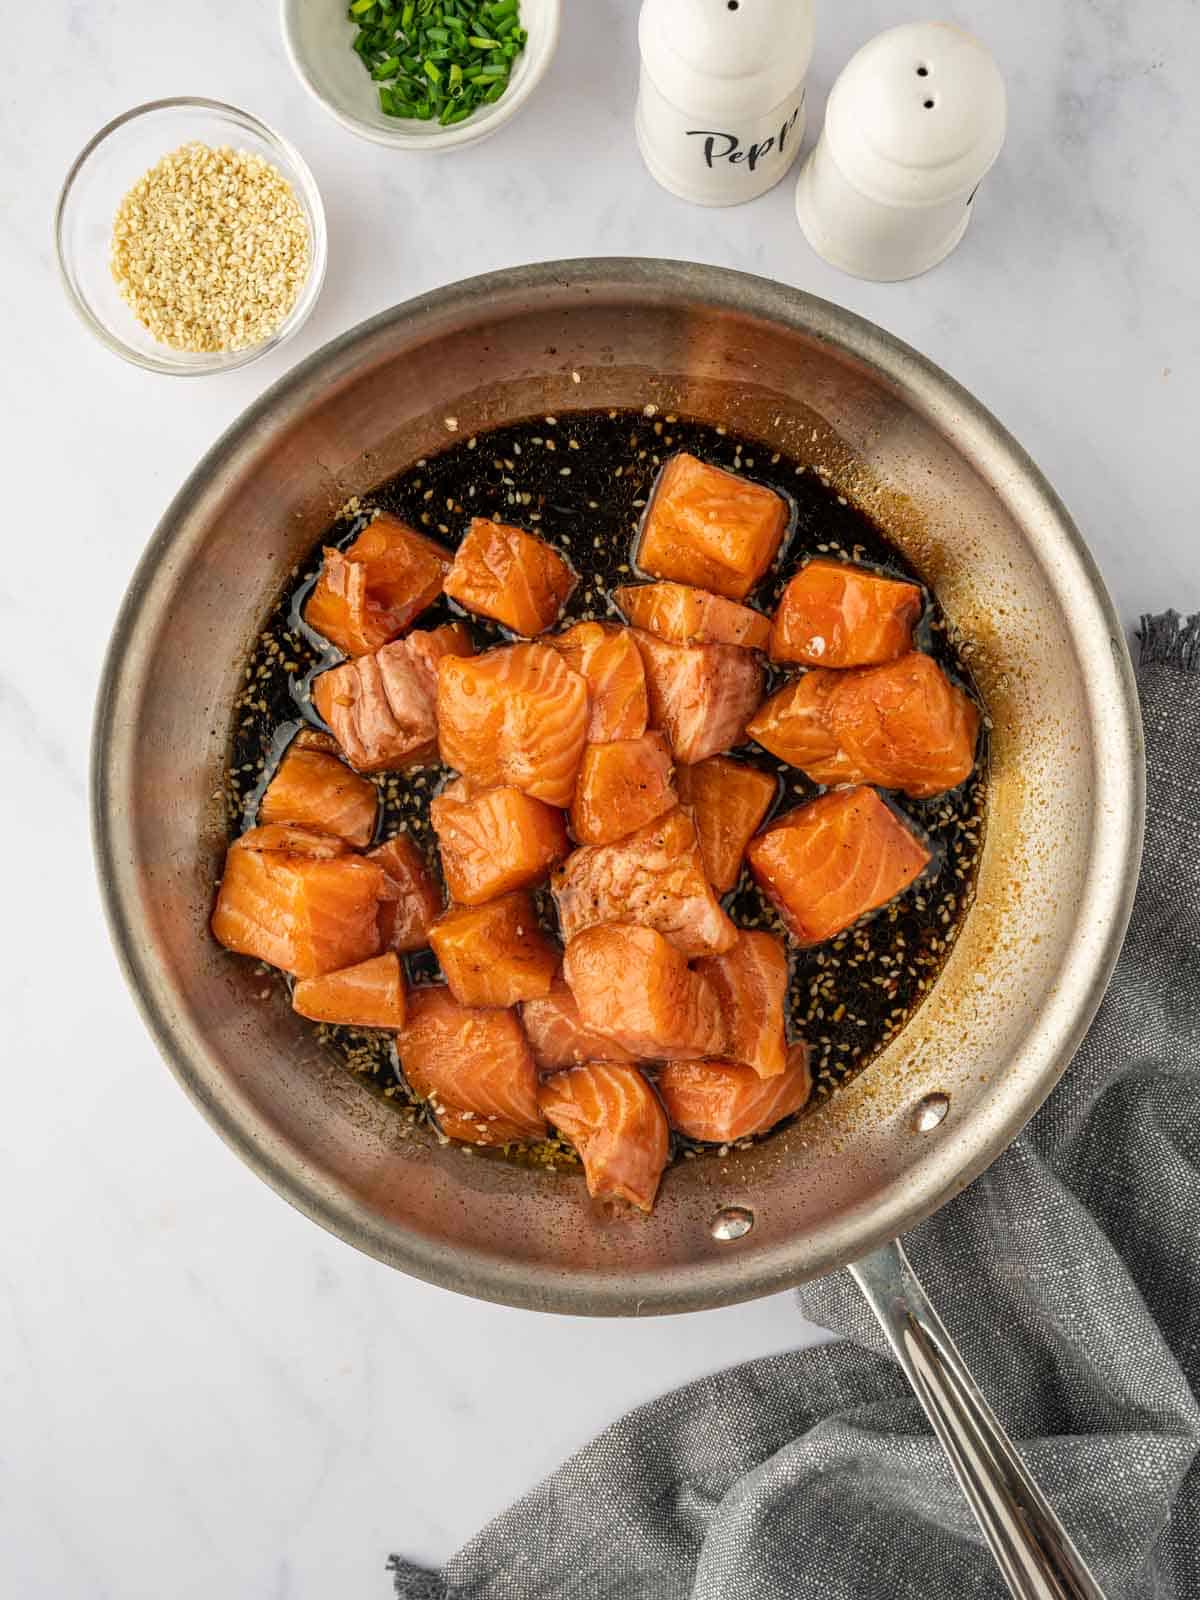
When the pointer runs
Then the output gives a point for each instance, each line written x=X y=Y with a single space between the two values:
x=1030 y=1544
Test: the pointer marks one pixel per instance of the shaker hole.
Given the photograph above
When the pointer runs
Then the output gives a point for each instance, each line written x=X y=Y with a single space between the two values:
x=922 y=72
x=929 y=104
x=734 y=5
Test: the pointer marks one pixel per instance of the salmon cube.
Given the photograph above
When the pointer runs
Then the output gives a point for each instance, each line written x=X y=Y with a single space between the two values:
x=711 y=528
x=314 y=739
x=382 y=707
x=318 y=791
x=298 y=900
x=701 y=695
x=474 y=1068
x=654 y=877
x=293 y=839
x=622 y=785
x=615 y=1122
x=683 y=615
x=728 y=801
x=828 y=863
x=720 y=1101
x=415 y=899
x=634 y=988
x=511 y=576
x=609 y=661
x=369 y=995
x=794 y=725
x=516 y=716
x=557 y=1035
x=495 y=954
x=369 y=593
x=497 y=840
x=902 y=725
x=426 y=649
x=751 y=985
x=833 y=614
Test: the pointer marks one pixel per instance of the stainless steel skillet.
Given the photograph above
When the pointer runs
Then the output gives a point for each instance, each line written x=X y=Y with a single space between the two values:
x=1056 y=879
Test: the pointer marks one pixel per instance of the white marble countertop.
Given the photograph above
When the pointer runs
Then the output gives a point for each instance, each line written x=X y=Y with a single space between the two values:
x=201 y=1394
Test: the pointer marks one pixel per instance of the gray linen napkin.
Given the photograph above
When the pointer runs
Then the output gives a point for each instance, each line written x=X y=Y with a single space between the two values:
x=1069 y=1274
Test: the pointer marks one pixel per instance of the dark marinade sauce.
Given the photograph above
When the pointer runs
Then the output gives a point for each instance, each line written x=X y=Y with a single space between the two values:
x=581 y=481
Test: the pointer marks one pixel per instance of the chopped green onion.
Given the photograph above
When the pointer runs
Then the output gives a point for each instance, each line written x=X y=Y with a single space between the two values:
x=442 y=59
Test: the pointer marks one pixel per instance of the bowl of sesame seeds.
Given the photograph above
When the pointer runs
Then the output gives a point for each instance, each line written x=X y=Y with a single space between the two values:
x=190 y=237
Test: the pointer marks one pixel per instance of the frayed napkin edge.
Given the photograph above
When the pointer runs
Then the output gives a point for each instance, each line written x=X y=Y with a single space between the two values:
x=1170 y=640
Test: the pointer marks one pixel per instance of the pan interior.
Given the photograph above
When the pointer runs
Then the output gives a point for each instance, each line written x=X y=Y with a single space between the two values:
x=962 y=502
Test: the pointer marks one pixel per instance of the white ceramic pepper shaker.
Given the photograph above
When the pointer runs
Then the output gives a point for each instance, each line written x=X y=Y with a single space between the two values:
x=720 y=111
x=912 y=126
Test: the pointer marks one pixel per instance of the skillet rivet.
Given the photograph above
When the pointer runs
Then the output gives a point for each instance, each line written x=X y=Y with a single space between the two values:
x=930 y=1111
x=732 y=1222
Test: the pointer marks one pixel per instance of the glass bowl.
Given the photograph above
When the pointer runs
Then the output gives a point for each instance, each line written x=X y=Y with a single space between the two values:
x=109 y=165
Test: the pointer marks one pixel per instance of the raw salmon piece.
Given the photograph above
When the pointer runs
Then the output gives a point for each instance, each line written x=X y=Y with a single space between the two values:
x=558 y=1037
x=826 y=864
x=298 y=900
x=382 y=707
x=426 y=649
x=294 y=839
x=610 y=662
x=902 y=725
x=720 y=1101
x=634 y=988
x=654 y=877
x=905 y=726
x=369 y=995
x=622 y=785
x=511 y=576
x=495 y=954
x=711 y=528
x=314 y=739
x=794 y=725
x=369 y=593
x=406 y=918
x=319 y=791
x=701 y=695
x=751 y=983
x=514 y=716
x=833 y=614
x=614 y=1120
x=728 y=801
x=473 y=1067
x=683 y=615
x=495 y=841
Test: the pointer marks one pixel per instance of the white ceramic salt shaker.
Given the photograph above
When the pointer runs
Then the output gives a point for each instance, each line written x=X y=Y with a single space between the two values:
x=720 y=111
x=912 y=126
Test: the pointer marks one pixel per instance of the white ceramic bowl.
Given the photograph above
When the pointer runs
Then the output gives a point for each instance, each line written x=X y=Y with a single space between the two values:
x=102 y=174
x=318 y=36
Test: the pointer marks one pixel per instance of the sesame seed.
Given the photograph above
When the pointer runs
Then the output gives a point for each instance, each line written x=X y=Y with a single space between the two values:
x=210 y=249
